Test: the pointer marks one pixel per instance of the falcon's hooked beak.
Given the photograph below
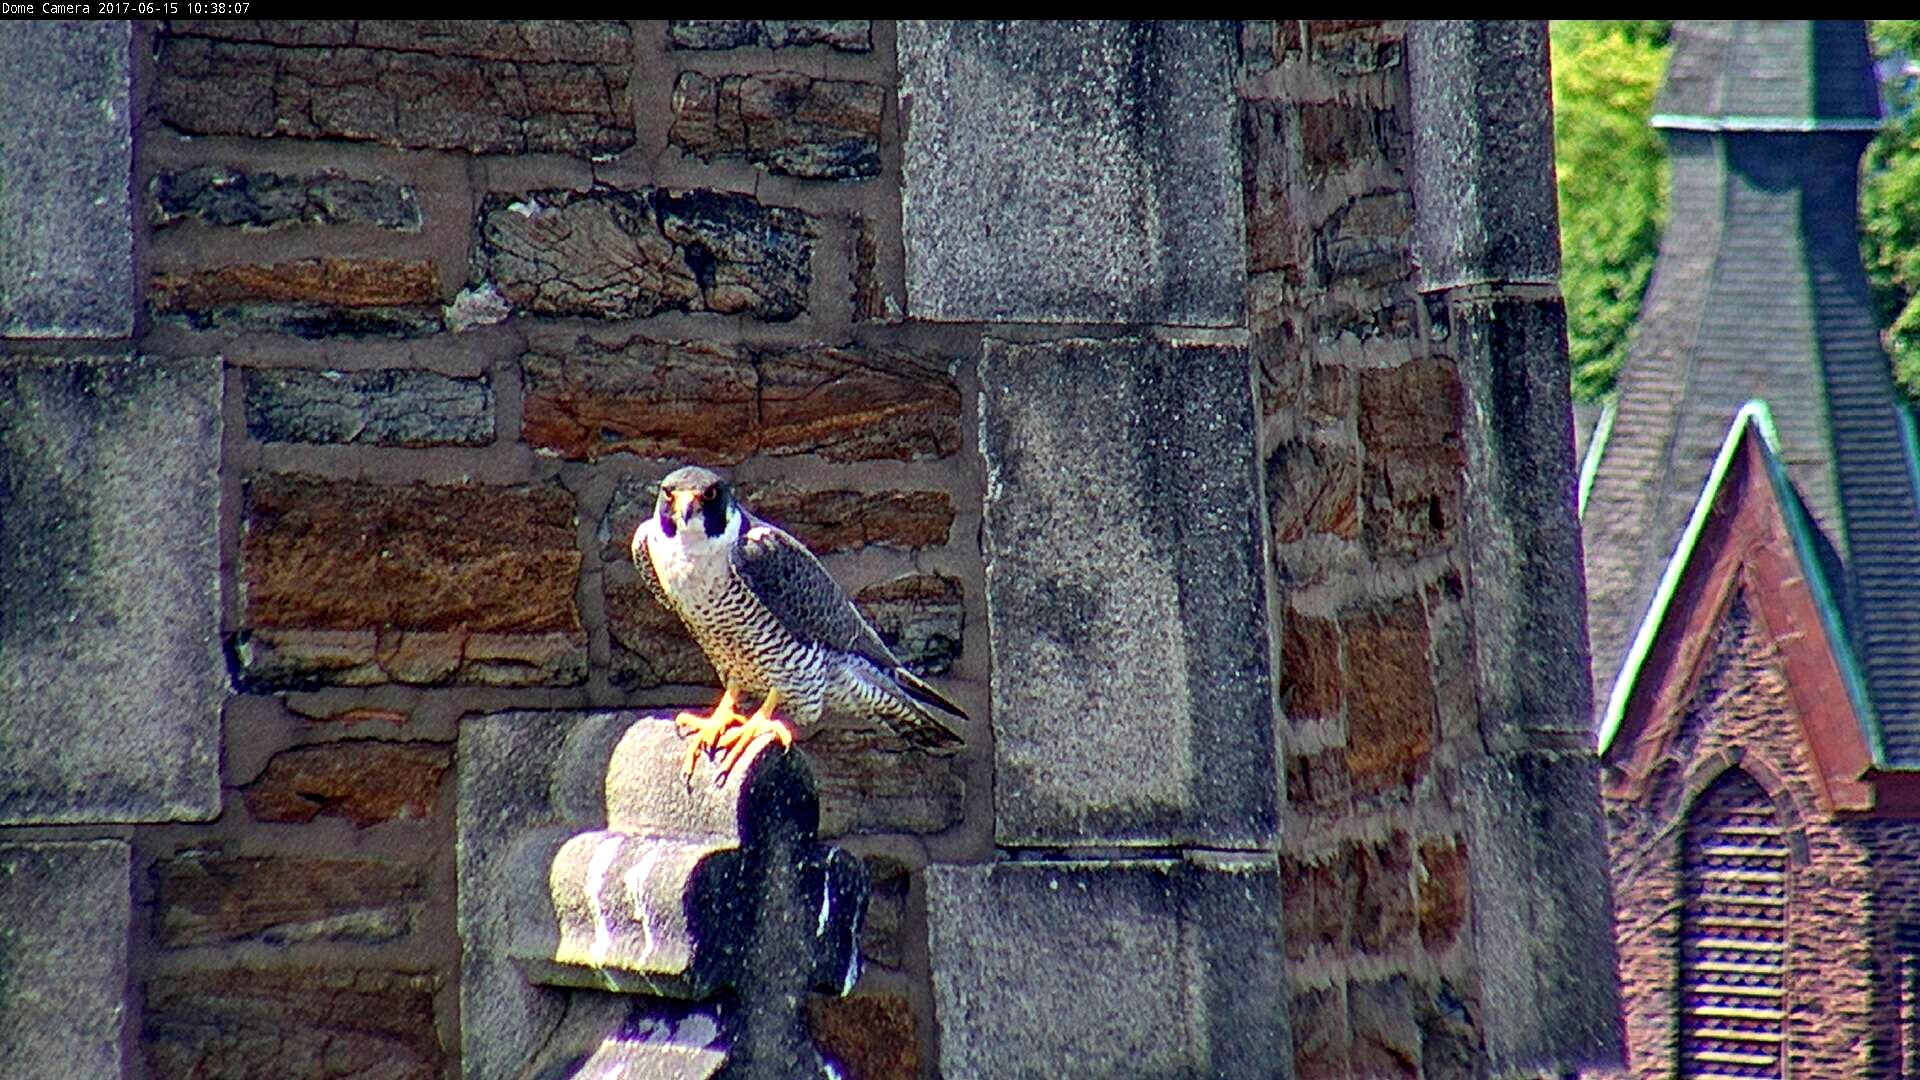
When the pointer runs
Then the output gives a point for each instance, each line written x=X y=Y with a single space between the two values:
x=684 y=502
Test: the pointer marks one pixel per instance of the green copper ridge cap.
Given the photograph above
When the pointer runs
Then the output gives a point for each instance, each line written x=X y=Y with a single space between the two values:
x=1755 y=414
x=1590 y=465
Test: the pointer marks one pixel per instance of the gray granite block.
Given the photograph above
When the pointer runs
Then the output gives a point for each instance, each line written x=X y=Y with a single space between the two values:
x=67 y=908
x=66 y=208
x=1126 y=596
x=1482 y=153
x=1542 y=914
x=1072 y=172
x=1131 y=968
x=110 y=660
x=1523 y=535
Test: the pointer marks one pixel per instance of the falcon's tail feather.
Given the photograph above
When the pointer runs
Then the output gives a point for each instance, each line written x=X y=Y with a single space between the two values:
x=938 y=721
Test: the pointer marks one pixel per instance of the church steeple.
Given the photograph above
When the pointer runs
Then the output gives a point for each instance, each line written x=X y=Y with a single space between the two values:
x=1759 y=293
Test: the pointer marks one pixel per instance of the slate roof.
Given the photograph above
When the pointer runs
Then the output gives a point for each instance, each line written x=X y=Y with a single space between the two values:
x=1774 y=75
x=1759 y=293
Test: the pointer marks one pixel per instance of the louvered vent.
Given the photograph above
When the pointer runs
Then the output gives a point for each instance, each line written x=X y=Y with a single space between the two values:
x=1733 y=935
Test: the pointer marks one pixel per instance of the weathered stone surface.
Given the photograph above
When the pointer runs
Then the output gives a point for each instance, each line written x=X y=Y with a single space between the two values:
x=110 y=662
x=1107 y=153
x=205 y=898
x=1542 y=910
x=1366 y=242
x=63 y=949
x=845 y=35
x=788 y=123
x=1183 y=956
x=1441 y=904
x=362 y=780
x=675 y=889
x=310 y=298
x=882 y=933
x=1312 y=685
x=353 y=582
x=394 y=407
x=921 y=617
x=1528 y=600
x=233 y=198
x=1150 y=573
x=1345 y=48
x=485 y=88
x=1386 y=1028
x=1313 y=490
x=721 y=403
x=870 y=1036
x=629 y=254
x=651 y=646
x=240 y=1023
x=1391 y=712
x=1321 y=1040
x=873 y=781
x=1382 y=877
x=66 y=212
x=1482 y=112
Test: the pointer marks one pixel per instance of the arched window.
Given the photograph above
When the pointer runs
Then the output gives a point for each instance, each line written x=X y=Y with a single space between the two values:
x=1733 y=934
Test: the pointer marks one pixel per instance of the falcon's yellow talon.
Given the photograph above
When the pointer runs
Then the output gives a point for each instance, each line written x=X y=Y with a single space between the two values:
x=758 y=728
x=708 y=730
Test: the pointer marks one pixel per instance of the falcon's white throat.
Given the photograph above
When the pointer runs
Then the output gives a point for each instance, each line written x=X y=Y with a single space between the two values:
x=690 y=563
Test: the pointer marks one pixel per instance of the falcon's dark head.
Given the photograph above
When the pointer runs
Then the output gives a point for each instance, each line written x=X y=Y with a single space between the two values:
x=693 y=497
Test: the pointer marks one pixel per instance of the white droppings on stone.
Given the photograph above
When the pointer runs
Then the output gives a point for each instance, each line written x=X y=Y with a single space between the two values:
x=480 y=305
x=826 y=907
x=697 y=1030
x=636 y=880
x=604 y=852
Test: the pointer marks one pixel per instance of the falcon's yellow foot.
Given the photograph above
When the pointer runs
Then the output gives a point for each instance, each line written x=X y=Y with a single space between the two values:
x=709 y=729
x=758 y=728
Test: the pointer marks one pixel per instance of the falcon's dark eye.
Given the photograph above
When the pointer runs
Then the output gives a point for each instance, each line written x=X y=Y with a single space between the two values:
x=713 y=510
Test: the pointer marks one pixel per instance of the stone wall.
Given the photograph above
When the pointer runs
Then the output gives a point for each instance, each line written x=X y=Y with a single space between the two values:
x=1192 y=444
x=1853 y=885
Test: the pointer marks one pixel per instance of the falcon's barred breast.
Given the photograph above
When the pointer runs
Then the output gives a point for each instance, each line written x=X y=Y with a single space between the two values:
x=775 y=625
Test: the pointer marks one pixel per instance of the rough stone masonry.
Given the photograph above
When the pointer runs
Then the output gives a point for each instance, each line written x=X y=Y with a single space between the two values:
x=1188 y=398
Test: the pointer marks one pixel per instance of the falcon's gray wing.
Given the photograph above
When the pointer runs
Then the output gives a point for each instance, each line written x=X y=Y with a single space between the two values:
x=799 y=593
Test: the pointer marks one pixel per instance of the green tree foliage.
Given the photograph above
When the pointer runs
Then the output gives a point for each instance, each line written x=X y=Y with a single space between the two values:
x=1890 y=200
x=1613 y=177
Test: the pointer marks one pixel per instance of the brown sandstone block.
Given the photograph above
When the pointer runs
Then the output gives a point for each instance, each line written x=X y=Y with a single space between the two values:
x=610 y=254
x=535 y=88
x=786 y=122
x=869 y=1036
x=241 y=1023
x=1383 y=915
x=1319 y=906
x=1310 y=668
x=203 y=898
x=1367 y=242
x=308 y=297
x=1313 y=490
x=364 y=781
x=1390 y=697
x=1443 y=891
x=353 y=582
x=1414 y=410
x=720 y=404
x=872 y=781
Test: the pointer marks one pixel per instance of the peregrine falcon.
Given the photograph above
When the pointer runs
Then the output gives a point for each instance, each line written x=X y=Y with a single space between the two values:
x=776 y=627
